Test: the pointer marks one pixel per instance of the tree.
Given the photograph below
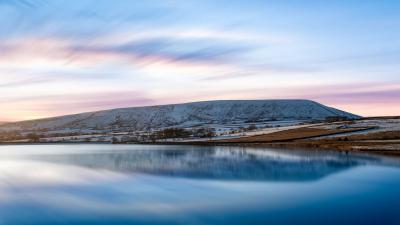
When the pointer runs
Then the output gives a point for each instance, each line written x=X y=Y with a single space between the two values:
x=252 y=127
x=114 y=140
x=33 y=137
x=204 y=132
x=170 y=133
x=176 y=133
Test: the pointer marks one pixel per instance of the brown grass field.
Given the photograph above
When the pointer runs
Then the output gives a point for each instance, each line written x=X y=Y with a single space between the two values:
x=387 y=142
x=291 y=135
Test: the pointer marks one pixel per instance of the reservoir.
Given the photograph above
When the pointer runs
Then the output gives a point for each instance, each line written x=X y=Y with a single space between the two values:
x=156 y=184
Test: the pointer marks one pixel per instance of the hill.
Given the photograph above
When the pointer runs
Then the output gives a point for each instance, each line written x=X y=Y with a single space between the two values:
x=185 y=115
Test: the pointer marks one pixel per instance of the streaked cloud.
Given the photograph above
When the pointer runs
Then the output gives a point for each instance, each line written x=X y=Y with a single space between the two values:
x=126 y=54
x=174 y=50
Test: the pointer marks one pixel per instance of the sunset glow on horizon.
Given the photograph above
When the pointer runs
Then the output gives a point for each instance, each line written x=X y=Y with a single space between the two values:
x=65 y=57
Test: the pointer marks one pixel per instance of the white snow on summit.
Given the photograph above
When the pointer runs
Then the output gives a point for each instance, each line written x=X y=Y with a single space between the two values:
x=186 y=115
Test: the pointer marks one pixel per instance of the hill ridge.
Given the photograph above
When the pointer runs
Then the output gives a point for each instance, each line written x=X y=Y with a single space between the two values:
x=186 y=114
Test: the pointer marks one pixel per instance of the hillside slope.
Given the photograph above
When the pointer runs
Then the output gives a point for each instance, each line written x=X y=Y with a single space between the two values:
x=187 y=114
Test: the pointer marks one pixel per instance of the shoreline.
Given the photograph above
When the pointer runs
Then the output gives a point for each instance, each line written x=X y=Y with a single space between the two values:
x=300 y=145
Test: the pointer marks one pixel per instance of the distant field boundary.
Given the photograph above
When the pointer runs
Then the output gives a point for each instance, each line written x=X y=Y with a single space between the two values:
x=250 y=139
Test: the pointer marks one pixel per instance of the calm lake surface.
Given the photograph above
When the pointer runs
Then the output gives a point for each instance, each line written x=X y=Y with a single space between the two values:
x=144 y=184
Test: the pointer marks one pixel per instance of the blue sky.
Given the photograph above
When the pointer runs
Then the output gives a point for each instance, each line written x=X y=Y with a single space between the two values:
x=60 y=57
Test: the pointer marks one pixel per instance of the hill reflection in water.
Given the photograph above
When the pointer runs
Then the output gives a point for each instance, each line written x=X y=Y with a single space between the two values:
x=222 y=163
x=154 y=184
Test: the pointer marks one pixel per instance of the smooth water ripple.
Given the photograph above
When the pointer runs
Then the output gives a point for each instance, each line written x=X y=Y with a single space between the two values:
x=145 y=184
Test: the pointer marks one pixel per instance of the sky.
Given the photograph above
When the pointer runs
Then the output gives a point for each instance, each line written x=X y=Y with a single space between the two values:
x=61 y=57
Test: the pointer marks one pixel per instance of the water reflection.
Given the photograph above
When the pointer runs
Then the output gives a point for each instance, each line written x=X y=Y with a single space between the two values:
x=106 y=184
x=221 y=163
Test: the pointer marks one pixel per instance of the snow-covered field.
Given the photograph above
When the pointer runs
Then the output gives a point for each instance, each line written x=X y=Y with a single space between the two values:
x=225 y=113
x=229 y=131
x=227 y=119
x=377 y=125
x=222 y=131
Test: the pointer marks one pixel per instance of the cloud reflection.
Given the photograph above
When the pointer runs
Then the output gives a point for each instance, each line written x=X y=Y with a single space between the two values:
x=126 y=184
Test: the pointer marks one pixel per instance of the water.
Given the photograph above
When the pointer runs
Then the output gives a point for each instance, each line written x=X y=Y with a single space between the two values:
x=136 y=184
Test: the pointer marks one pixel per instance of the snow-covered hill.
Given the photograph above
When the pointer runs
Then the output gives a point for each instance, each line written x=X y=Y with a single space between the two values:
x=185 y=115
